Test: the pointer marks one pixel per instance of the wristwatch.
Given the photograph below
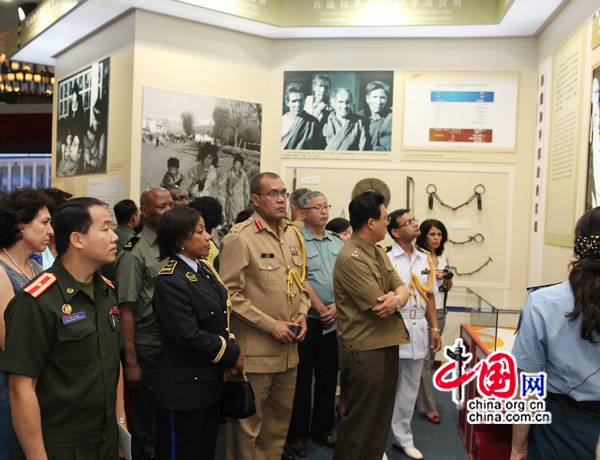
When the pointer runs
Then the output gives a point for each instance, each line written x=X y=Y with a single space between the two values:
x=399 y=306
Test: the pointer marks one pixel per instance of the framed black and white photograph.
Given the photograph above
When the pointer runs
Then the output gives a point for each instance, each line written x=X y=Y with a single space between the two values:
x=208 y=146
x=337 y=114
x=593 y=179
x=83 y=121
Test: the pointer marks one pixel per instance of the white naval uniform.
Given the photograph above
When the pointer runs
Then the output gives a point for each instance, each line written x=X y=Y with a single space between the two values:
x=412 y=354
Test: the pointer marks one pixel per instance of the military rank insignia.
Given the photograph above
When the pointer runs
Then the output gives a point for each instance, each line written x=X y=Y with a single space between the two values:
x=191 y=276
x=169 y=268
x=131 y=243
x=356 y=251
x=41 y=284
x=67 y=309
x=258 y=225
x=107 y=281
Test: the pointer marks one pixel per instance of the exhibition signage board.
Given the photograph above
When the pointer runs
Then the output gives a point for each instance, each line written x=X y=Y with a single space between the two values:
x=316 y=13
x=46 y=14
x=460 y=111
x=567 y=80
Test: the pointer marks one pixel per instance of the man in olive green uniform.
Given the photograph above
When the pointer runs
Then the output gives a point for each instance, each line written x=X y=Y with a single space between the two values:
x=137 y=267
x=128 y=217
x=262 y=260
x=62 y=346
x=368 y=294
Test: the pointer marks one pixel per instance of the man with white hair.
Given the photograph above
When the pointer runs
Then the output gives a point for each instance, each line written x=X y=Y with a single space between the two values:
x=345 y=130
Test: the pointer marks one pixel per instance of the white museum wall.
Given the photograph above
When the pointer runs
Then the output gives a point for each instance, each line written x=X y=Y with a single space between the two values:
x=192 y=57
x=506 y=207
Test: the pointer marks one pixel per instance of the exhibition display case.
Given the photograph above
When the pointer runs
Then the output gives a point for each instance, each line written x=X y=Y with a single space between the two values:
x=490 y=321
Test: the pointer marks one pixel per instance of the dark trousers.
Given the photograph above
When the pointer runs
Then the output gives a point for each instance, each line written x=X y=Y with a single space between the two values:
x=318 y=356
x=142 y=405
x=575 y=437
x=369 y=378
x=187 y=434
x=104 y=450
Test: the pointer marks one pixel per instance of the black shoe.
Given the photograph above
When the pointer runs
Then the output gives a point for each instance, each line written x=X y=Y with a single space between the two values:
x=287 y=454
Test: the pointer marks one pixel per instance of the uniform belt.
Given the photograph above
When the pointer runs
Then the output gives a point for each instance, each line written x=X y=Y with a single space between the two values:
x=563 y=400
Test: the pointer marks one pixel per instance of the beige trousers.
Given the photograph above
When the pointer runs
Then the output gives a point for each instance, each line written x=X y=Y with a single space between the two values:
x=262 y=436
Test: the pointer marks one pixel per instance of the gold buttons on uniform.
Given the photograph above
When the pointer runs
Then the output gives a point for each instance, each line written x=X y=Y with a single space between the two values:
x=69 y=290
x=270 y=268
x=195 y=378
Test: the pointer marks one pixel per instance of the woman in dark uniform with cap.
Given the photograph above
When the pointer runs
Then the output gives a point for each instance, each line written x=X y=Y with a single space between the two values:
x=190 y=303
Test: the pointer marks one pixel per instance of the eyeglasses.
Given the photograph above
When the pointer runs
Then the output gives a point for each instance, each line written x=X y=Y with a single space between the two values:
x=409 y=222
x=388 y=219
x=318 y=208
x=275 y=194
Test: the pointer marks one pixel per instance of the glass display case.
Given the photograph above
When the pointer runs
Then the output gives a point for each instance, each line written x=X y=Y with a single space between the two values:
x=493 y=315
x=489 y=323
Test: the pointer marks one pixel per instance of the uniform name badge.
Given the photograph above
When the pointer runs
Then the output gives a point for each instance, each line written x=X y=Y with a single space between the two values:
x=73 y=318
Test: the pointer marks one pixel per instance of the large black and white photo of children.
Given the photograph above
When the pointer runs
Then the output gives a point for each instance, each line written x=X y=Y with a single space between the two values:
x=208 y=146
x=82 y=121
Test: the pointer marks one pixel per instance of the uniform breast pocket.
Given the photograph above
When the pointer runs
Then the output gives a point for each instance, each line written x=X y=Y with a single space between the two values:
x=77 y=344
x=314 y=261
x=270 y=272
x=211 y=318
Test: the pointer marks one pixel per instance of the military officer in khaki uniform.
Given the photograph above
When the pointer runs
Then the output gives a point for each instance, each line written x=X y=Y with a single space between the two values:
x=368 y=295
x=263 y=266
x=62 y=346
x=137 y=267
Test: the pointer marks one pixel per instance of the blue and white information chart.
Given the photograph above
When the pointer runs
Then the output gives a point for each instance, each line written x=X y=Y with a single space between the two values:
x=460 y=111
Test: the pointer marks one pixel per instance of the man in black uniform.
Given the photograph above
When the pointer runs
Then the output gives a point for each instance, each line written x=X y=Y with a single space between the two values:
x=62 y=346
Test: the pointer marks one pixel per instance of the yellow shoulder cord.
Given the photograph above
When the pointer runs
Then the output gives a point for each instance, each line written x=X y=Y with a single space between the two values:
x=294 y=277
x=416 y=284
x=229 y=308
x=229 y=305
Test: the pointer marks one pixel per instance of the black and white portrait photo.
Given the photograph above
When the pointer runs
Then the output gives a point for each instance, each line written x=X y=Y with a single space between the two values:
x=337 y=111
x=82 y=121
x=593 y=182
x=208 y=146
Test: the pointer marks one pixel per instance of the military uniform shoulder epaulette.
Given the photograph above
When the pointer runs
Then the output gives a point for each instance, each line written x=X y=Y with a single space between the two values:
x=41 y=284
x=425 y=251
x=388 y=248
x=333 y=233
x=356 y=251
x=169 y=268
x=109 y=282
x=238 y=227
x=131 y=243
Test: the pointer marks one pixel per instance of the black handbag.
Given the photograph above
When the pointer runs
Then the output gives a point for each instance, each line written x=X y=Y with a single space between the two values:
x=238 y=399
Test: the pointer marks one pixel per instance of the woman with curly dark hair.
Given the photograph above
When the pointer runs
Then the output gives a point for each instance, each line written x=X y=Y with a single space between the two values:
x=24 y=229
x=560 y=335
x=432 y=238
